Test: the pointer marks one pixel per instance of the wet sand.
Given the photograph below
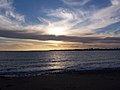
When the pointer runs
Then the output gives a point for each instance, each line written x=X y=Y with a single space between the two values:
x=96 y=80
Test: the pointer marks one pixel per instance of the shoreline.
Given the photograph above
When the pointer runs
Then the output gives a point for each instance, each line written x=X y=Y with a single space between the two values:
x=39 y=73
x=88 y=80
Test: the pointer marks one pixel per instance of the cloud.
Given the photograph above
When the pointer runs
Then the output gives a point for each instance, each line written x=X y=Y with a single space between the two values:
x=16 y=16
x=75 y=2
x=78 y=22
x=23 y=35
x=115 y=2
x=5 y=4
x=63 y=17
x=63 y=24
x=74 y=22
x=9 y=17
x=113 y=30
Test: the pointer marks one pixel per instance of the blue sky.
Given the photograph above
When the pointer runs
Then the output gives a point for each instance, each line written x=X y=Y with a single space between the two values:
x=59 y=24
x=36 y=7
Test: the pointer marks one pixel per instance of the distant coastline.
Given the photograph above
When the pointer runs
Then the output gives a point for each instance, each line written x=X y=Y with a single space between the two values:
x=89 y=49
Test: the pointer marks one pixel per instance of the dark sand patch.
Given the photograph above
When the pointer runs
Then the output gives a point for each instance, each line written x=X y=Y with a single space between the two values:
x=64 y=81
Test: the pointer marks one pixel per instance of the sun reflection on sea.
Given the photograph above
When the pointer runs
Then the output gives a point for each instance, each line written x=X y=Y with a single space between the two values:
x=56 y=60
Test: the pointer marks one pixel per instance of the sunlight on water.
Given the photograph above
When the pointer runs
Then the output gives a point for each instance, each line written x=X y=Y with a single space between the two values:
x=54 y=61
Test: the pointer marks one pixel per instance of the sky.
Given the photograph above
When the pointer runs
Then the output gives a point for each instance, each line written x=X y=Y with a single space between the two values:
x=59 y=24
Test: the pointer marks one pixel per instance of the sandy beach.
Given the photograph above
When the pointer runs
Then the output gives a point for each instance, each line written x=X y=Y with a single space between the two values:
x=95 y=80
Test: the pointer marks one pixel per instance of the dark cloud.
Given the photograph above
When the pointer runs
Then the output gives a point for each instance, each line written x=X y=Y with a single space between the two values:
x=25 y=35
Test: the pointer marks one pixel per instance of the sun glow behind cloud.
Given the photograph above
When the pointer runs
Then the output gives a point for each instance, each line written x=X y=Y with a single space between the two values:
x=57 y=31
x=76 y=21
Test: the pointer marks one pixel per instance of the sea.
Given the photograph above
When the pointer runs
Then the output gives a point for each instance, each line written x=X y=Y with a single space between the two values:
x=30 y=63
